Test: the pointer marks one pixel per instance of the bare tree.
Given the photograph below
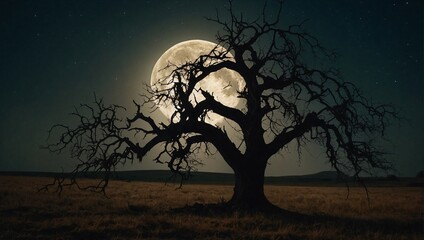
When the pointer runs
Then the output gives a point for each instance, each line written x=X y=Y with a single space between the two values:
x=287 y=97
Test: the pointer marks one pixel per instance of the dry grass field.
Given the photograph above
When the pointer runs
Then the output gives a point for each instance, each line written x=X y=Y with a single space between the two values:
x=138 y=210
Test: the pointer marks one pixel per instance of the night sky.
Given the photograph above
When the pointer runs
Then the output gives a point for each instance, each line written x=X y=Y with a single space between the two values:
x=55 y=54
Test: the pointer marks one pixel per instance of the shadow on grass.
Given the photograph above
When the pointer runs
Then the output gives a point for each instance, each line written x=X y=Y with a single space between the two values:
x=139 y=209
x=89 y=235
x=273 y=215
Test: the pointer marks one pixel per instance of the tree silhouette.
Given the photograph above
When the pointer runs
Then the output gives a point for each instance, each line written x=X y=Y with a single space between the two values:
x=288 y=96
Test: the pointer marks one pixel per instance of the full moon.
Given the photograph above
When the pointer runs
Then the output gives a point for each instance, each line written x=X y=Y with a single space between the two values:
x=223 y=84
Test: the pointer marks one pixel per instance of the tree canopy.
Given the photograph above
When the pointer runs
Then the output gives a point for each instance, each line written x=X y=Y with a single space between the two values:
x=288 y=95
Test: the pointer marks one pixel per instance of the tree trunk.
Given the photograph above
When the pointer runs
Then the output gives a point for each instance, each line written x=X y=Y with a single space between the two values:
x=249 y=188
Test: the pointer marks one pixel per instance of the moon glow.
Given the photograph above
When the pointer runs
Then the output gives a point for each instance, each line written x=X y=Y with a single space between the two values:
x=223 y=84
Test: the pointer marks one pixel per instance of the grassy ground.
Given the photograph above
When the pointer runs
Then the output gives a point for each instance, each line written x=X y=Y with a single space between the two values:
x=137 y=210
